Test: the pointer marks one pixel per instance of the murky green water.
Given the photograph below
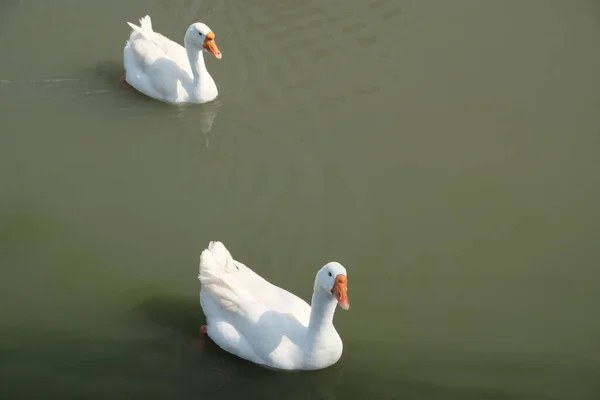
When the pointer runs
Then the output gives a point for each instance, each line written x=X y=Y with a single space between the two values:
x=447 y=153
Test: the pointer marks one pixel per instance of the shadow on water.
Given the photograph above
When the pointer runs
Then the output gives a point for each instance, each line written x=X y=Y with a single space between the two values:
x=158 y=354
x=224 y=373
x=64 y=366
x=164 y=358
x=109 y=74
x=181 y=314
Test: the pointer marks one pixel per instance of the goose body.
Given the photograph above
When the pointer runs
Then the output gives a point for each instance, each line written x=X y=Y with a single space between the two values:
x=164 y=70
x=253 y=319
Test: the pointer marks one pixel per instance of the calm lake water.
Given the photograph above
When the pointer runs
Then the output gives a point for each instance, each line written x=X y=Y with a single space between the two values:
x=447 y=153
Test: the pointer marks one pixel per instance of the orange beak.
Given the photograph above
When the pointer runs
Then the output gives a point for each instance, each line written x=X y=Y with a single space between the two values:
x=340 y=291
x=211 y=46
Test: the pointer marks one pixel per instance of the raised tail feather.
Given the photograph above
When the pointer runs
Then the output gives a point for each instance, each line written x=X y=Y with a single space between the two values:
x=145 y=23
x=215 y=260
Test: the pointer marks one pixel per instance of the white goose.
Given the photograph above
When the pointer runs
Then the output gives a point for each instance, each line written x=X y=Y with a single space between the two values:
x=265 y=324
x=164 y=70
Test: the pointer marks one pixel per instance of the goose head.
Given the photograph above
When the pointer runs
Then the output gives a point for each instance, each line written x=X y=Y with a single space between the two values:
x=332 y=278
x=202 y=37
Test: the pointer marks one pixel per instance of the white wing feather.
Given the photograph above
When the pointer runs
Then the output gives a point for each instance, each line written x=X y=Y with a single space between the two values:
x=238 y=288
x=154 y=64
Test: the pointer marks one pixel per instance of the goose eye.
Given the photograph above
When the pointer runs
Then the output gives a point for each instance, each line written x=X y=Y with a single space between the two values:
x=330 y=274
x=200 y=33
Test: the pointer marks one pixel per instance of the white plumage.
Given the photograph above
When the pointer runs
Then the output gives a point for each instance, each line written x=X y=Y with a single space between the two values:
x=265 y=324
x=164 y=70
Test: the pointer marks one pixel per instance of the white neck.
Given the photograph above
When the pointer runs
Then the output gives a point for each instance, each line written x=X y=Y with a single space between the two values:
x=322 y=309
x=202 y=87
x=323 y=344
